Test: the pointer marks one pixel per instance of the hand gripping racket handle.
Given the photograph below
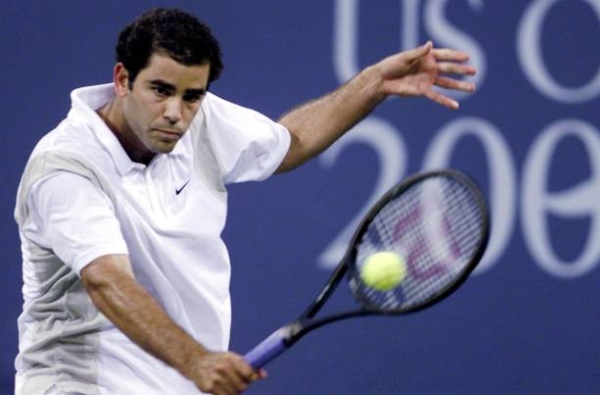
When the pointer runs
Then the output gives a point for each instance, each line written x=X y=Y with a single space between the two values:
x=268 y=349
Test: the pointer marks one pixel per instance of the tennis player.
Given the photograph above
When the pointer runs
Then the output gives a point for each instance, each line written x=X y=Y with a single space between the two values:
x=121 y=207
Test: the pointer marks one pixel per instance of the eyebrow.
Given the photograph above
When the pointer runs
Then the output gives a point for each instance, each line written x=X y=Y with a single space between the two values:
x=163 y=84
x=171 y=88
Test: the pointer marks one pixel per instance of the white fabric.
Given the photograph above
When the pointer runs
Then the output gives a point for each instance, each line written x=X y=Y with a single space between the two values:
x=62 y=220
x=79 y=175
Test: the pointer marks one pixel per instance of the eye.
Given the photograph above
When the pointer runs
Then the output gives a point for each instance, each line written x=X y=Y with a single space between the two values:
x=193 y=97
x=160 y=91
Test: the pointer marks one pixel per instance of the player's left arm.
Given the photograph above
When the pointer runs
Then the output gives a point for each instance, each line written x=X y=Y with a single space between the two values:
x=315 y=125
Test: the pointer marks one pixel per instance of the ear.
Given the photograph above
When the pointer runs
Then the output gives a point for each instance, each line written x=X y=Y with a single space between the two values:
x=121 y=80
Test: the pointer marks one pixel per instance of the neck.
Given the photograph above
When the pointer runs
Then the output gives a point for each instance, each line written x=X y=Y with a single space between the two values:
x=108 y=115
x=113 y=117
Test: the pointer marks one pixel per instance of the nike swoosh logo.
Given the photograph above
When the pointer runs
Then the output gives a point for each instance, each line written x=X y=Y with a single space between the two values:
x=178 y=191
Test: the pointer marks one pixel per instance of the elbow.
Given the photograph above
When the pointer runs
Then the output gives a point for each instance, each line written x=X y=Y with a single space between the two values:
x=105 y=275
x=295 y=156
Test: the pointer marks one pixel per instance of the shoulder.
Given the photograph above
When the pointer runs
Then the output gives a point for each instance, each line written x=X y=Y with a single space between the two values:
x=70 y=139
x=80 y=132
x=216 y=108
x=75 y=146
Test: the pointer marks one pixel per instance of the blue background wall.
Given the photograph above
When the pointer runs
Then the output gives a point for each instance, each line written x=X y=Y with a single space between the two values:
x=527 y=322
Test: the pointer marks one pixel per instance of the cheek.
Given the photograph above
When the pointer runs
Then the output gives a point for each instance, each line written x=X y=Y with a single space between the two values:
x=145 y=114
x=139 y=122
x=189 y=114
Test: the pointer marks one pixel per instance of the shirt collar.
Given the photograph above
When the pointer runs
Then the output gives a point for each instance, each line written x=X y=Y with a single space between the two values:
x=85 y=102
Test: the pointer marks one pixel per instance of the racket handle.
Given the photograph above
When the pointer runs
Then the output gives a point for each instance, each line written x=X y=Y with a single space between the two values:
x=268 y=349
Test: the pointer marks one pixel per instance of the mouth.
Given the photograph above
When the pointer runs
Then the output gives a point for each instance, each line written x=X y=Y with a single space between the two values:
x=168 y=134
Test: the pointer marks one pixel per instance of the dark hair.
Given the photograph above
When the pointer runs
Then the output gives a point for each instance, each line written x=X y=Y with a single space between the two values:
x=178 y=34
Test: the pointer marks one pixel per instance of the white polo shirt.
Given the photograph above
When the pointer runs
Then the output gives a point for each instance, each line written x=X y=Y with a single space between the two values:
x=81 y=197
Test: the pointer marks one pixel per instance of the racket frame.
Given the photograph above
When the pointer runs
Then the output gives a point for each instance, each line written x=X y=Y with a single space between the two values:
x=289 y=334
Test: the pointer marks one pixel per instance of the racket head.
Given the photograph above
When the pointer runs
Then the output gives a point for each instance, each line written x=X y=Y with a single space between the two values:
x=438 y=223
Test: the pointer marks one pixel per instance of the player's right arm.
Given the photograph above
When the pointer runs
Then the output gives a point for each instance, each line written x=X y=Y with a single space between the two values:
x=110 y=282
x=73 y=221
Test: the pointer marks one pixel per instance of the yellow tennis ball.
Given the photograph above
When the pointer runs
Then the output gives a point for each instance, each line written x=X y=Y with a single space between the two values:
x=384 y=270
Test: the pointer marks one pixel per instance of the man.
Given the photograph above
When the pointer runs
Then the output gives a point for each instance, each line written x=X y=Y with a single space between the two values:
x=121 y=207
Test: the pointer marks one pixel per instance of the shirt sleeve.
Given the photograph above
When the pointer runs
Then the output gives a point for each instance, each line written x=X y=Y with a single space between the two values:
x=249 y=145
x=75 y=219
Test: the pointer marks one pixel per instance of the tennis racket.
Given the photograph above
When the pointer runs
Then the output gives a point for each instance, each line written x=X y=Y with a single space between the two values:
x=437 y=221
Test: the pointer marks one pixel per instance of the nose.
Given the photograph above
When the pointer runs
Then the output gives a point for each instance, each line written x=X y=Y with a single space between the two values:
x=172 y=112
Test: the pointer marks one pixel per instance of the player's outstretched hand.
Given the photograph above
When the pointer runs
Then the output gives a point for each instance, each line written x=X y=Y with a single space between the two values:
x=224 y=373
x=417 y=71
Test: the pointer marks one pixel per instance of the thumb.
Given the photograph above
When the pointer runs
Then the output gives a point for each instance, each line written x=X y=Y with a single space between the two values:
x=414 y=55
x=419 y=52
x=426 y=48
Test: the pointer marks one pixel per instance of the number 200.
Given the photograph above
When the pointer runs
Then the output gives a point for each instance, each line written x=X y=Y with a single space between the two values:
x=577 y=201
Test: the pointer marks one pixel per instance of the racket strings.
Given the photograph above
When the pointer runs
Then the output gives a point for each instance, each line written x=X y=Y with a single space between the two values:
x=436 y=226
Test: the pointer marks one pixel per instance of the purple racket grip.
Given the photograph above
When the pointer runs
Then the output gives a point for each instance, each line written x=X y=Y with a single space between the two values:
x=268 y=349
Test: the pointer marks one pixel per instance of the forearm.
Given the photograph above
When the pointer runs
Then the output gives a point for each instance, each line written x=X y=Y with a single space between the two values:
x=315 y=125
x=133 y=310
x=112 y=287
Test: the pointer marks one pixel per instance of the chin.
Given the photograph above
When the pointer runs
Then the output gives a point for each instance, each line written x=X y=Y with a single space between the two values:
x=164 y=148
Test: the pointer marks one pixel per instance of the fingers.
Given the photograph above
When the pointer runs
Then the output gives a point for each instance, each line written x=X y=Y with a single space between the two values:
x=442 y=99
x=450 y=61
x=418 y=71
x=237 y=377
x=455 y=68
x=450 y=54
x=450 y=83
x=226 y=374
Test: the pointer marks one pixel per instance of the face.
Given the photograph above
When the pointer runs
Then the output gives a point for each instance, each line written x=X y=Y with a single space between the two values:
x=160 y=105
